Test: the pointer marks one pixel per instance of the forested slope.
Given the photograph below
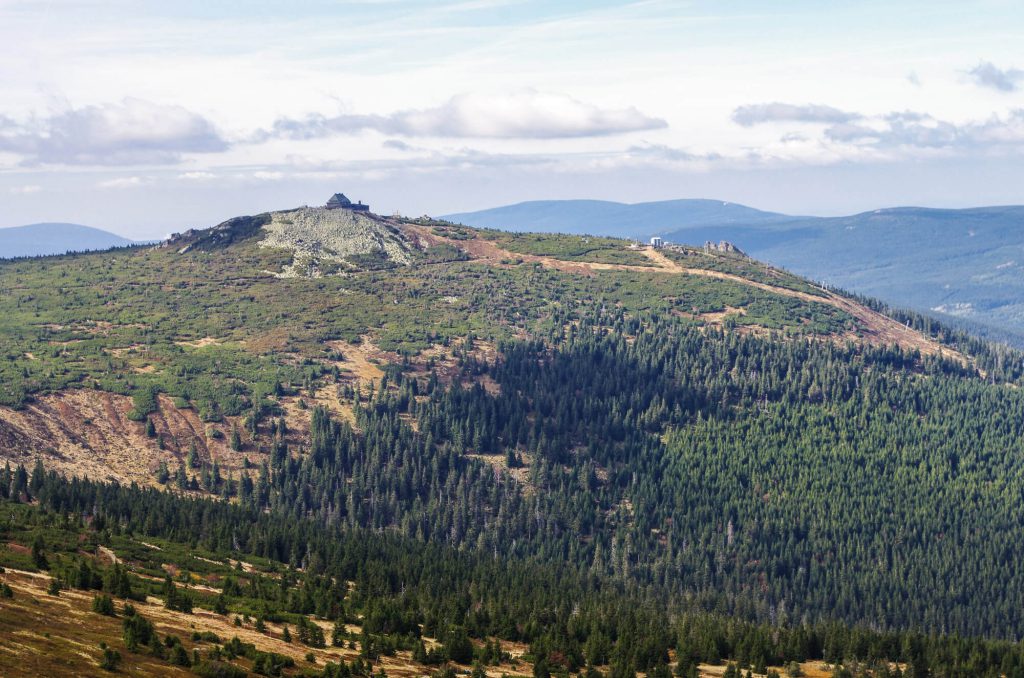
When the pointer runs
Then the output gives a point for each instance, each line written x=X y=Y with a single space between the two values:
x=688 y=431
x=221 y=589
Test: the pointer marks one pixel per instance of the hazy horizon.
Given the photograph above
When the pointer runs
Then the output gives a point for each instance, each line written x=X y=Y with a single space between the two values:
x=163 y=234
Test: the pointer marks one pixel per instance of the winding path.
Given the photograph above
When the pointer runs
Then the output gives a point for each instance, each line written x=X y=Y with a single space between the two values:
x=877 y=328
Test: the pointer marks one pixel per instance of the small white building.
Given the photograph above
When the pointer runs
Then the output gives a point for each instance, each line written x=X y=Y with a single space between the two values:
x=657 y=242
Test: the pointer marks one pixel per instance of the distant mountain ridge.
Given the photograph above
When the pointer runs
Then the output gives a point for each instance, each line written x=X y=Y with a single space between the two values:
x=966 y=264
x=43 y=239
x=602 y=217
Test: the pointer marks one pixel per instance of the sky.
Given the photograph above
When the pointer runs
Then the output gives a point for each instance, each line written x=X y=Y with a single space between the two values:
x=147 y=118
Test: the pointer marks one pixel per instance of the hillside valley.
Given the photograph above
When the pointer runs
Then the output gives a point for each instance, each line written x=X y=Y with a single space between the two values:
x=609 y=458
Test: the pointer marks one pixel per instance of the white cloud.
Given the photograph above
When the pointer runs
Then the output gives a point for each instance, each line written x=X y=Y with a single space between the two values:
x=755 y=114
x=25 y=190
x=827 y=134
x=124 y=182
x=987 y=74
x=398 y=145
x=660 y=152
x=425 y=162
x=913 y=130
x=131 y=132
x=197 y=176
x=521 y=115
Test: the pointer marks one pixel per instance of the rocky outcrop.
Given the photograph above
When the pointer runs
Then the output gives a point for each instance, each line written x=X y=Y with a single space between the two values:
x=220 y=236
x=326 y=241
x=723 y=247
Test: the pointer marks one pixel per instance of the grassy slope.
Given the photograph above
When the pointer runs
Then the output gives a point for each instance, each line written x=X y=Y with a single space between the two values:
x=87 y=341
x=125 y=320
x=61 y=635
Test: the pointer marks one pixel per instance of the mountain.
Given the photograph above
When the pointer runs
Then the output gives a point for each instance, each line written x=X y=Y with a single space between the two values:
x=36 y=240
x=961 y=264
x=600 y=217
x=425 y=439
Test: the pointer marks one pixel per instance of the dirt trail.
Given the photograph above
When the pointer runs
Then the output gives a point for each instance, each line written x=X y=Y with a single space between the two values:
x=877 y=328
x=487 y=250
x=109 y=555
x=880 y=328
